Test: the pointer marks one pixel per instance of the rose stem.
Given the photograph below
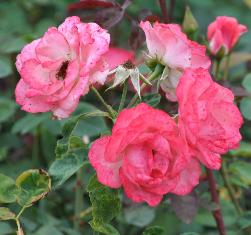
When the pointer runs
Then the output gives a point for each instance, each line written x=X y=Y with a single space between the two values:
x=171 y=9
x=157 y=71
x=79 y=205
x=123 y=97
x=226 y=69
x=163 y=8
x=215 y=198
x=230 y=189
x=109 y=108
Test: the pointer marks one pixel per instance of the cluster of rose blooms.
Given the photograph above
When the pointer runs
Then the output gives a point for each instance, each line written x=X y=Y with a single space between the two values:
x=149 y=153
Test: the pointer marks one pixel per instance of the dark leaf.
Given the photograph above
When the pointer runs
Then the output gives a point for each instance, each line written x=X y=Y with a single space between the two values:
x=185 y=207
x=153 y=230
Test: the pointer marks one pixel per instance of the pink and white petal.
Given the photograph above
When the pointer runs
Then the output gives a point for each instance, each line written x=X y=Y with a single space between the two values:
x=154 y=44
x=99 y=73
x=27 y=53
x=53 y=46
x=170 y=84
x=33 y=105
x=94 y=43
x=177 y=51
x=35 y=74
x=68 y=104
x=138 y=194
x=189 y=178
x=199 y=57
x=207 y=158
x=70 y=30
x=107 y=172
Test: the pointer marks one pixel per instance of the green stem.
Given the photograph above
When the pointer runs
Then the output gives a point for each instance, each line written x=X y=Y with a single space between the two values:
x=217 y=70
x=20 y=212
x=79 y=205
x=123 y=97
x=157 y=71
x=86 y=212
x=19 y=229
x=230 y=189
x=110 y=110
x=226 y=69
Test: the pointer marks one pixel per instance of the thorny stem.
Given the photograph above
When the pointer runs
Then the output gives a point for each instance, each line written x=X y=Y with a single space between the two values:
x=123 y=97
x=215 y=198
x=157 y=71
x=163 y=8
x=109 y=108
x=171 y=9
x=230 y=189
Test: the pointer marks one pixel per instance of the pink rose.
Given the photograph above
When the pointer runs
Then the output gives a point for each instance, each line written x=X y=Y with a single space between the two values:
x=59 y=67
x=171 y=47
x=208 y=117
x=224 y=33
x=117 y=56
x=146 y=155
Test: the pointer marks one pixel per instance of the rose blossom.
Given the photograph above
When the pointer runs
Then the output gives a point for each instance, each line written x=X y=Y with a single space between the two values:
x=59 y=67
x=117 y=56
x=224 y=32
x=208 y=117
x=146 y=155
x=171 y=47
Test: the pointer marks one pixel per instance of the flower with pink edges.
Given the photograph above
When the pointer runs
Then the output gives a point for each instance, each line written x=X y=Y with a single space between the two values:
x=58 y=68
x=168 y=45
x=208 y=118
x=224 y=33
x=149 y=160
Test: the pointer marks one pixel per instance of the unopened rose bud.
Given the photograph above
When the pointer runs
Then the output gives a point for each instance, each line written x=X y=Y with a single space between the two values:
x=189 y=25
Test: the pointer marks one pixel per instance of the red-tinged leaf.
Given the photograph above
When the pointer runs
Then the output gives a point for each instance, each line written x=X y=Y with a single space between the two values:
x=90 y=4
x=185 y=207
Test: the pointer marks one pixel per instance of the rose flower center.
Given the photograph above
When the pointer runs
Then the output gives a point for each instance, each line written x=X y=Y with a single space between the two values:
x=62 y=70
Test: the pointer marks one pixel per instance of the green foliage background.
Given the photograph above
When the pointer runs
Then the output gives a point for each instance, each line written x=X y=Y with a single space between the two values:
x=28 y=141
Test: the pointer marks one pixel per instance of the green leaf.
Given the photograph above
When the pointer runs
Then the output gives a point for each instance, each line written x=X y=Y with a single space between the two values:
x=8 y=189
x=243 y=151
x=34 y=184
x=242 y=170
x=6 y=214
x=5 y=228
x=7 y=108
x=189 y=233
x=245 y=107
x=29 y=123
x=185 y=207
x=104 y=228
x=5 y=68
x=153 y=230
x=151 y=99
x=89 y=126
x=139 y=215
x=105 y=201
x=105 y=206
x=70 y=129
x=62 y=169
x=48 y=229
x=246 y=83
x=245 y=220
